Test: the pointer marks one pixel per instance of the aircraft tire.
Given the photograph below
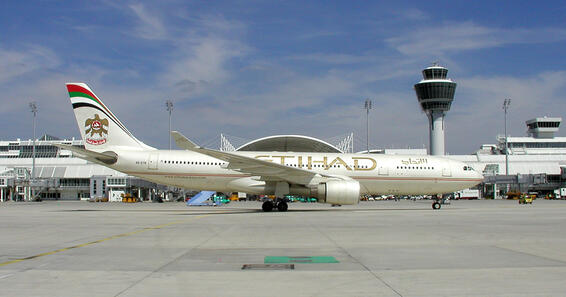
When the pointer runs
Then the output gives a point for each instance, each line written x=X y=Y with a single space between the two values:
x=267 y=206
x=436 y=205
x=282 y=206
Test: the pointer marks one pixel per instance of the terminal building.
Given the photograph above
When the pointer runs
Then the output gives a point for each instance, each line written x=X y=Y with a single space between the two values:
x=59 y=175
x=536 y=162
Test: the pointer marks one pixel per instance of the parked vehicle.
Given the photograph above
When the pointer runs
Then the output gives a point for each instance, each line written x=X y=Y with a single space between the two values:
x=526 y=199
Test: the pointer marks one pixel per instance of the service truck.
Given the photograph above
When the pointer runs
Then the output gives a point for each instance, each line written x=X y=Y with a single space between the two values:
x=467 y=194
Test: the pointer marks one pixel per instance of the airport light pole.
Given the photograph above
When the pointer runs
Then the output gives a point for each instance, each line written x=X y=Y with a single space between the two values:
x=169 y=106
x=33 y=108
x=506 y=104
x=367 y=107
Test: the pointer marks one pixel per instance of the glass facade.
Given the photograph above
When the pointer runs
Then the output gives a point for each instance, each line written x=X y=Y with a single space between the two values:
x=435 y=90
x=14 y=150
x=74 y=182
x=55 y=195
x=435 y=73
x=435 y=95
x=117 y=182
x=442 y=105
x=538 y=145
x=41 y=151
x=543 y=125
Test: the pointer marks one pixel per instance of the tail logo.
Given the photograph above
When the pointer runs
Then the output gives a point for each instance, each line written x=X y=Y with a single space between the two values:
x=95 y=133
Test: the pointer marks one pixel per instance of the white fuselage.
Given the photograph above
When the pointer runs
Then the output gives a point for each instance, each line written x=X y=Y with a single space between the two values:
x=377 y=174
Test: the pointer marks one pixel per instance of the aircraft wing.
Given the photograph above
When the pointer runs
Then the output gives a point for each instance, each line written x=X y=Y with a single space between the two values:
x=105 y=158
x=268 y=171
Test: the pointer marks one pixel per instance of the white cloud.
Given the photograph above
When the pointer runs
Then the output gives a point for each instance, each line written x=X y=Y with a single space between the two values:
x=333 y=58
x=201 y=56
x=468 y=36
x=318 y=34
x=149 y=26
x=201 y=64
x=27 y=60
x=412 y=14
x=531 y=94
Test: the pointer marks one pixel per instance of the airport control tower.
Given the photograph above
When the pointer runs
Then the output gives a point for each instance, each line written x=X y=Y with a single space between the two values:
x=435 y=93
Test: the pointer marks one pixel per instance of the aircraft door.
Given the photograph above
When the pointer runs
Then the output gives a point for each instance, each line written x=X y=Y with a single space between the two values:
x=153 y=160
x=383 y=170
x=446 y=171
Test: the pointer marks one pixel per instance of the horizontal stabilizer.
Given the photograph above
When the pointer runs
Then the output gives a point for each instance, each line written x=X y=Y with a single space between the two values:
x=107 y=158
x=183 y=142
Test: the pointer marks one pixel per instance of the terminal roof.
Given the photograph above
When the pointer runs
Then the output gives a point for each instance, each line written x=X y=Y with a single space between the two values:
x=289 y=143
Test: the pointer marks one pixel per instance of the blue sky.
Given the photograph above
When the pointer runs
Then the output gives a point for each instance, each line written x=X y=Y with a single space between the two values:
x=250 y=69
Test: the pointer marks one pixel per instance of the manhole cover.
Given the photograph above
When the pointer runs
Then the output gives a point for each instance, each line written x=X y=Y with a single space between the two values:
x=310 y=260
x=268 y=266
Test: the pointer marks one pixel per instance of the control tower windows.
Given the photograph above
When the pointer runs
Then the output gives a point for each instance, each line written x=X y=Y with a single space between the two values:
x=435 y=73
x=432 y=90
x=543 y=125
x=435 y=105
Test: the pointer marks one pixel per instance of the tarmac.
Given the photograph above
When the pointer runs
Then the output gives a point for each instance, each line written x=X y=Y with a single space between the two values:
x=376 y=248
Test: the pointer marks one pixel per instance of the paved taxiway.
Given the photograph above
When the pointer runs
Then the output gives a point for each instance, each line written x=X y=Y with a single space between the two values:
x=383 y=248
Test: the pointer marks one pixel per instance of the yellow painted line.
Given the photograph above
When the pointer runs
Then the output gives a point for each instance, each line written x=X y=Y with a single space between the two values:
x=100 y=240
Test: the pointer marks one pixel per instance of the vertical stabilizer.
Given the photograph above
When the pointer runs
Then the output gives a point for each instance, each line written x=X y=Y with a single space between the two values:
x=100 y=128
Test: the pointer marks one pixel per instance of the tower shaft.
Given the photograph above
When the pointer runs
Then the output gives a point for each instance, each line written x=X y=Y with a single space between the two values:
x=436 y=132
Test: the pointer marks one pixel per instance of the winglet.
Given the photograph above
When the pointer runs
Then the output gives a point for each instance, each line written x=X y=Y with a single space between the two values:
x=183 y=142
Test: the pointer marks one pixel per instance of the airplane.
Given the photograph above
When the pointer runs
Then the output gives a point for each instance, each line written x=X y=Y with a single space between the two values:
x=333 y=178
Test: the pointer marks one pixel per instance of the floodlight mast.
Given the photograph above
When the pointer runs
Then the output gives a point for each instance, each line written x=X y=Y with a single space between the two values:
x=169 y=106
x=506 y=104
x=33 y=109
x=367 y=107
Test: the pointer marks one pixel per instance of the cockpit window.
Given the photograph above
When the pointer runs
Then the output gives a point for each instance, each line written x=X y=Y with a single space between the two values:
x=468 y=168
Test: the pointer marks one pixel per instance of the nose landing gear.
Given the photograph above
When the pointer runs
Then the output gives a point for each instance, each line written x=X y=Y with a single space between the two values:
x=439 y=200
x=436 y=205
x=436 y=201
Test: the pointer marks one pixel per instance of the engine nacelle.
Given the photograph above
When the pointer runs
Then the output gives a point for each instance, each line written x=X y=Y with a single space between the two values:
x=339 y=192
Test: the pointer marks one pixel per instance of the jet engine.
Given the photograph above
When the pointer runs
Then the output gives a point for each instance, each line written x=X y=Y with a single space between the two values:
x=339 y=192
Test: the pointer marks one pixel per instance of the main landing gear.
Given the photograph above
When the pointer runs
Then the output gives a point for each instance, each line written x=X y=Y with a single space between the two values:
x=279 y=203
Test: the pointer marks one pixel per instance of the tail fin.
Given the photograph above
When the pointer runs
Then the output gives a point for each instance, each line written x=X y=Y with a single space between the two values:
x=100 y=128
